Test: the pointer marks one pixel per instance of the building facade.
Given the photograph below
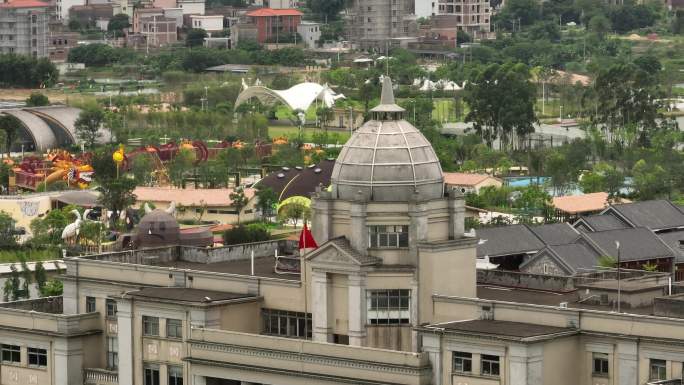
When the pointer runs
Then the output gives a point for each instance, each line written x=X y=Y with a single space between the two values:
x=24 y=28
x=450 y=16
x=373 y=23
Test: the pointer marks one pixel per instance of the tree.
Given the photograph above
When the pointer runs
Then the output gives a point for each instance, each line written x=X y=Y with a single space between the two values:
x=40 y=275
x=607 y=261
x=10 y=127
x=53 y=287
x=294 y=211
x=181 y=163
x=238 y=200
x=600 y=25
x=195 y=37
x=516 y=12
x=501 y=100
x=326 y=9
x=116 y=189
x=12 y=288
x=324 y=114
x=266 y=198
x=118 y=23
x=37 y=99
x=88 y=125
x=650 y=180
x=8 y=238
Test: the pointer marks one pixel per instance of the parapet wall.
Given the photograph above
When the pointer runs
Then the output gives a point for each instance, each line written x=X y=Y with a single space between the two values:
x=237 y=252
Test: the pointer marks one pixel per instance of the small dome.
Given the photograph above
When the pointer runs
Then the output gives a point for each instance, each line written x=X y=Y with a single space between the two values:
x=157 y=228
x=387 y=159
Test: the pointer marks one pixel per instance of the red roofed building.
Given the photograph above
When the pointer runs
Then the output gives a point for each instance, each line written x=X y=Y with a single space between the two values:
x=274 y=24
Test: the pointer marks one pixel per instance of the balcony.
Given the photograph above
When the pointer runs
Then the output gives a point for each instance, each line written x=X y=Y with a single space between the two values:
x=92 y=376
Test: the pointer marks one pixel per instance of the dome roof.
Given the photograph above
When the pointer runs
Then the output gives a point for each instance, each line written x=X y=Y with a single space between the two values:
x=387 y=159
x=157 y=228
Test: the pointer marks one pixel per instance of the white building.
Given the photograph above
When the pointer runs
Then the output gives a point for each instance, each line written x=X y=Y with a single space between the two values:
x=63 y=8
x=310 y=33
x=281 y=4
x=213 y=23
x=192 y=7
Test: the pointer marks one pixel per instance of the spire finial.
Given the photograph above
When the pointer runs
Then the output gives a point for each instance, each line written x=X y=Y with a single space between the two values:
x=387 y=95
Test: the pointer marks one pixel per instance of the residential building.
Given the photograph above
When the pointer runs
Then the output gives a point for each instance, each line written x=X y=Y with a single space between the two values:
x=310 y=33
x=154 y=27
x=372 y=24
x=281 y=4
x=571 y=207
x=192 y=7
x=450 y=16
x=89 y=14
x=60 y=42
x=471 y=182
x=207 y=204
x=63 y=7
x=273 y=25
x=211 y=24
x=24 y=27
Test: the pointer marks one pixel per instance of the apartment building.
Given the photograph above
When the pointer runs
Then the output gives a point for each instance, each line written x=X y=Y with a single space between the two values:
x=450 y=16
x=383 y=292
x=373 y=23
x=24 y=27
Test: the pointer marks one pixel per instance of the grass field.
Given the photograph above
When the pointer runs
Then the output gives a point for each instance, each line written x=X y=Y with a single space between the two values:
x=334 y=137
x=9 y=256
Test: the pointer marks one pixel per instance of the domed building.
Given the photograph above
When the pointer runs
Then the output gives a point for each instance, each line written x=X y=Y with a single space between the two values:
x=157 y=228
x=390 y=236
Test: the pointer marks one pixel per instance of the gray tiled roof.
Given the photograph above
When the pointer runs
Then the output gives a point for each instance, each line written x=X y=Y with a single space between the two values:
x=635 y=244
x=555 y=233
x=673 y=239
x=576 y=256
x=507 y=240
x=656 y=214
x=604 y=222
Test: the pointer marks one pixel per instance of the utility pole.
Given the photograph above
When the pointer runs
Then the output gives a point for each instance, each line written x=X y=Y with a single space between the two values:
x=617 y=245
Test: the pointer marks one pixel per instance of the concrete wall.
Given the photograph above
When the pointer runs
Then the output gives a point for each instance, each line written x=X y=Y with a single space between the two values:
x=525 y=280
x=669 y=306
x=237 y=252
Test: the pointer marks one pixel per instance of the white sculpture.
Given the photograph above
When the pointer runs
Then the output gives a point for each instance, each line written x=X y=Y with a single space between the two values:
x=147 y=208
x=73 y=229
x=171 y=209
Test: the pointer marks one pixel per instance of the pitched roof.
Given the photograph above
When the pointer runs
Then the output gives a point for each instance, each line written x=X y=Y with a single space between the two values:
x=465 y=179
x=342 y=244
x=576 y=256
x=267 y=12
x=219 y=197
x=507 y=240
x=299 y=181
x=555 y=233
x=24 y=4
x=675 y=240
x=636 y=244
x=603 y=222
x=655 y=214
x=575 y=204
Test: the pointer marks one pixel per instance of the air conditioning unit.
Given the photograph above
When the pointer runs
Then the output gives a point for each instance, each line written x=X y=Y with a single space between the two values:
x=563 y=305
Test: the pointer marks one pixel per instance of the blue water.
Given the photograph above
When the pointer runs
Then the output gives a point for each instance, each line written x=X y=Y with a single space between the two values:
x=524 y=181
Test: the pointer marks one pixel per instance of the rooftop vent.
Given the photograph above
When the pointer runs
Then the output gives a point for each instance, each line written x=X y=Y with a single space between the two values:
x=317 y=171
x=299 y=168
x=280 y=175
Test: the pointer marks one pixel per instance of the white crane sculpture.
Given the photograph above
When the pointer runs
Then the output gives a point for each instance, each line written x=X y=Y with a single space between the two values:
x=73 y=229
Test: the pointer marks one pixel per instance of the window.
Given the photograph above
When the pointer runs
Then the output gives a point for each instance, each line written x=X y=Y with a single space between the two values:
x=388 y=306
x=489 y=365
x=111 y=308
x=37 y=357
x=150 y=326
x=175 y=375
x=658 y=369
x=286 y=323
x=112 y=353
x=600 y=364
x=11 y=353
x=463 y=362
x=90 y=304
x=174 y=328
x=151 y=375
x=388 y=236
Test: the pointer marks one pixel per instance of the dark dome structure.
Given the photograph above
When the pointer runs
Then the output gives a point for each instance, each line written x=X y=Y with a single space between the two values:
x=387 y=159
x=157 y=228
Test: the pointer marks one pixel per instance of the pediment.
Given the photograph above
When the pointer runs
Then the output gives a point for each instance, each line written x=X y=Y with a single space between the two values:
x=330 y=253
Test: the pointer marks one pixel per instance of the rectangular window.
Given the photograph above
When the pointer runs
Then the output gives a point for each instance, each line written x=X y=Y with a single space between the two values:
x=151 y=375
x=90 y=304
x=658 y=369
x=150 y=326
x=388 y=236
x=37 y=357
x=111 y=308
x=174 y=328
x=489 y=365
x=175 y=375
x=112 y=353
x=286 y=323
x=600 y=364
x=463 y=362
x=11 y=353
x=386 y=307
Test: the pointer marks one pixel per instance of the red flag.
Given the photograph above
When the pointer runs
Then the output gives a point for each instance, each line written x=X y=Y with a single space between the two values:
x=306 y=239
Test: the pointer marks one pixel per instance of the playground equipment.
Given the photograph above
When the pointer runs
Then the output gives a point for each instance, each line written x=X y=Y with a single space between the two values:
x=58 y=165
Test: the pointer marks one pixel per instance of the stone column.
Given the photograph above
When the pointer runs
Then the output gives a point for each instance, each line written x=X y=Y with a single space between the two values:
x=124 y=318
x=418 y=227
x=357 y=309
x=68 y=361
x=322 y=332
x=199 y=380
x=525 y=364
x=70 y=297
x=627 y=363
x=456 y=214
x=431 y=345
x=358 y=231
x=321 y=218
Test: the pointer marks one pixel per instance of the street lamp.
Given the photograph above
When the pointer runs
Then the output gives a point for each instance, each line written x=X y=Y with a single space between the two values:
x=617 y=245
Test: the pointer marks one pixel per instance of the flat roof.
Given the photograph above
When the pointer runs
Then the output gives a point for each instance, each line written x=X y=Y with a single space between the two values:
x=183 y=294
x=519 y=330
x=263 y=267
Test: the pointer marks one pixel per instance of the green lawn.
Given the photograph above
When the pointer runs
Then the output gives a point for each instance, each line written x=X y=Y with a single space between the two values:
x=9 y=256
x=334 y=137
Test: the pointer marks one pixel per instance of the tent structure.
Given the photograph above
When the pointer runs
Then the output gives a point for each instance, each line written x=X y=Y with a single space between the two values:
x=298 y=97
